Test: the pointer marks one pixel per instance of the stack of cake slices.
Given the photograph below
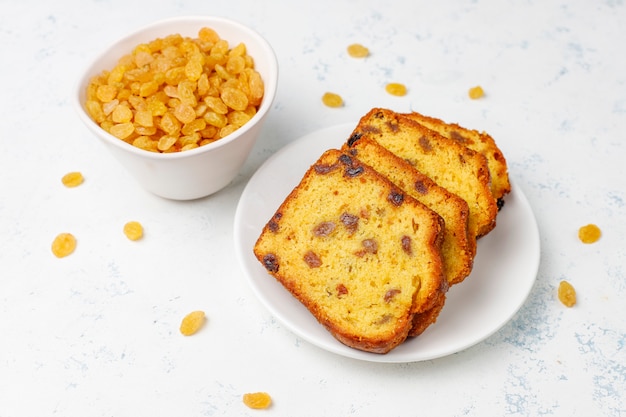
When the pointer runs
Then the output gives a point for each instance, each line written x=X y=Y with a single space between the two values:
x=377 y=231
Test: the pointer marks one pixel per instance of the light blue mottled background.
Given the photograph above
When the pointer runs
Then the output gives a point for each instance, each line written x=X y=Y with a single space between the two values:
x=96 y=334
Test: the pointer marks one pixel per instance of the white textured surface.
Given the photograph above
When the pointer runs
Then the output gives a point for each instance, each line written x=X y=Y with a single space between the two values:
x=97 y=333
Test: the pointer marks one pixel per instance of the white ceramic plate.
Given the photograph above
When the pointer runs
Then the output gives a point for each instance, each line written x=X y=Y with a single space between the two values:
x=504 y=271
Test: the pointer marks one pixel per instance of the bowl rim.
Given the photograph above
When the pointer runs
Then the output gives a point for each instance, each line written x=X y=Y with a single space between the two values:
x=270 y=87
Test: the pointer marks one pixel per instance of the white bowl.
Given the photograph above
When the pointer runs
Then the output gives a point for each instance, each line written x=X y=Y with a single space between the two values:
x=207 y=169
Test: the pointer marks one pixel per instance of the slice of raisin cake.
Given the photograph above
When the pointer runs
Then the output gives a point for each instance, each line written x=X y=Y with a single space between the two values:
x=362 y=255
x=458 y=248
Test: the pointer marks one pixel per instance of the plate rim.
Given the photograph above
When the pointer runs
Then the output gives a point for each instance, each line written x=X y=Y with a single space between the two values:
x=332 y=345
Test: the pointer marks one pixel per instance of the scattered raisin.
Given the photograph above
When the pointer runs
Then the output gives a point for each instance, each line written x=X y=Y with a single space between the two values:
x=356 y=50
x=257 y=400
x=324 y=229
x=192 y=322
x=476 y=92
x=312 y=260
x=72 y=179
x=270 y=261
x=567 y=294
x=589 y=233
x=332 y=99
x=396 y=89
x=500 y=203
x=63 y=245
x=133 y=230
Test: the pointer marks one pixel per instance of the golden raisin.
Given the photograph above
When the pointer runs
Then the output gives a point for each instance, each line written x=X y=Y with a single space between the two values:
x=122 y=130
x=476 y=92
x=589 y=233
x=257 y=400
x=122 y=114
x=235 y=99
x=208 y=35
x=396 y=89
x=567 y=294
x=216 y=104
x=63 y=245
x=356 y=50
x=215 y=119
x=332 y=100
x=185 y=113
x=170 y=124
x=148 y=88
x=192 y=322
x=72 y=179
x=94 y=109
x=257 y=88
x=227 y=130
x=145 y=143
x=106 y=93
x=193 y=69
x=133 y=230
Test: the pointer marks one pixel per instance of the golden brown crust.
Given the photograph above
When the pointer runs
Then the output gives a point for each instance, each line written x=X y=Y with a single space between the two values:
x=424 y=320
x=363 y=256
